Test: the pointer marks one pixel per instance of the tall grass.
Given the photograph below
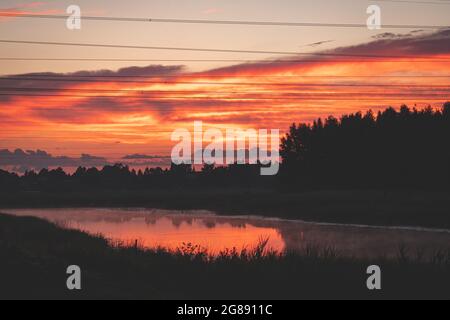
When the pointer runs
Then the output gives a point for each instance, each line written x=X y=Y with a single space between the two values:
x=34 y=255
x=262 y=252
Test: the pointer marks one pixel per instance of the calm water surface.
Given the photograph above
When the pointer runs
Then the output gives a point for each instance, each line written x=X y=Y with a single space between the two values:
x=170 y=229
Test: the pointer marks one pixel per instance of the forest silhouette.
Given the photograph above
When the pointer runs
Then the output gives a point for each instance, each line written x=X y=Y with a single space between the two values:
x=391 y=149
x=409 y=148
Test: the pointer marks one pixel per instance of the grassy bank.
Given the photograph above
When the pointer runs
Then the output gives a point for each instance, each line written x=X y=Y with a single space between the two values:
x=373 y=207
x=34 y=255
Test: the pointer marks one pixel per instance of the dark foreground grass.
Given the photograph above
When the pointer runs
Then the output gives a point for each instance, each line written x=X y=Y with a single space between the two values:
x=34 y=255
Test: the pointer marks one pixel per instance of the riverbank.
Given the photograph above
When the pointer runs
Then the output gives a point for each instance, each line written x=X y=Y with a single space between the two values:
x=416 y=208
x=35 y=255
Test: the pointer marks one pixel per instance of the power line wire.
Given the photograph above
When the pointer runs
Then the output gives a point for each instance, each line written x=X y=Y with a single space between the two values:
x=219 y=22
x=159 y=92
x=218 y=60
x=218 y=99
x=292 y=53
x=229 y=83
x=413 y=1
x=205 y=75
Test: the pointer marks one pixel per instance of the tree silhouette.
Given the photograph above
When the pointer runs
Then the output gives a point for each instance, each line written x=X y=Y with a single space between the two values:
x=405 y=148
x=393 y=149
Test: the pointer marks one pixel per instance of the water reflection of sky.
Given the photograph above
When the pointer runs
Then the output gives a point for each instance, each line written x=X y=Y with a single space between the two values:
x=173 y=228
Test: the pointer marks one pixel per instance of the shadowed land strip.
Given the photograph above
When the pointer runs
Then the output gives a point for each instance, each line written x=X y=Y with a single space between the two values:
x=35 y=255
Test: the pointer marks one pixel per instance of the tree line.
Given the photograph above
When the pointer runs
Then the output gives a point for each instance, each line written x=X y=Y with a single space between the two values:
x=405 y=148
x=393 y=148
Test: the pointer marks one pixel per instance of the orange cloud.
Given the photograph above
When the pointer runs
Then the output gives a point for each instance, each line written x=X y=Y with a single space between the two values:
x=26 y=9
x=134 y=110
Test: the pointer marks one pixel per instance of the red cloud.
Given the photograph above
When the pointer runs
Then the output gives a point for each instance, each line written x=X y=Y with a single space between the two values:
x=25 y=9
x=143 y=105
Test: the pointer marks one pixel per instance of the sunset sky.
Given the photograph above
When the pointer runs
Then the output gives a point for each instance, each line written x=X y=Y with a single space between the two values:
x=115 y=108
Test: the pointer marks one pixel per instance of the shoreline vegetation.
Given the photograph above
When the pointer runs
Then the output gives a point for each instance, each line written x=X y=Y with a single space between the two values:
x=35 y=255
x=408 y=208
